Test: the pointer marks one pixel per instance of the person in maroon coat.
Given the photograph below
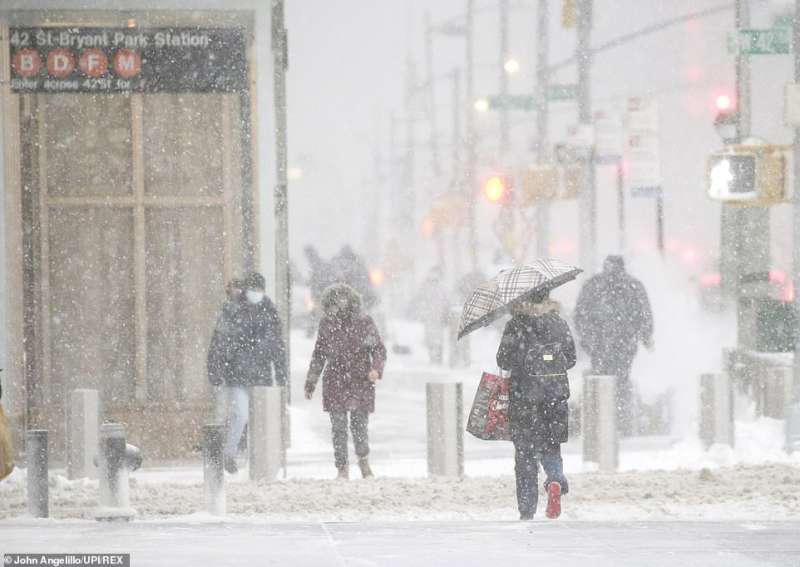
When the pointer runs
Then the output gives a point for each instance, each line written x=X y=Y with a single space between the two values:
x=349 y=355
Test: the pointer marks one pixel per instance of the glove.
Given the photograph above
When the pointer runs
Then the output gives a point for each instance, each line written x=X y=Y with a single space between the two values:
x=309 y=388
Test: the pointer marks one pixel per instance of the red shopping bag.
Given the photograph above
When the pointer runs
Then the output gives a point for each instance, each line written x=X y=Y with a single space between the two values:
x=488 y=418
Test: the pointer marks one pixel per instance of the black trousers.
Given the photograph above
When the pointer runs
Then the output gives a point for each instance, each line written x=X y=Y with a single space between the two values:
x=359 y=422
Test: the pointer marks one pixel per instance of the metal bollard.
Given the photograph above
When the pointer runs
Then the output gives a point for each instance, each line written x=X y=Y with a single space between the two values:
x=793 y=428
x=716 y=410
x=445 y=409
x=599 y=422
x=83 y=418
x=266 y=438
x=213 y=474
x=776 y=390
x=38 y=487
x=116 y=459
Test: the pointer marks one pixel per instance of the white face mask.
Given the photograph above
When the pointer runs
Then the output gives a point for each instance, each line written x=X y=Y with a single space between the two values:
x=254 y=296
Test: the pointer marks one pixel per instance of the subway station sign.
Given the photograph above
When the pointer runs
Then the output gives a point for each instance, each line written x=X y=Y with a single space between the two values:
x=101 y=60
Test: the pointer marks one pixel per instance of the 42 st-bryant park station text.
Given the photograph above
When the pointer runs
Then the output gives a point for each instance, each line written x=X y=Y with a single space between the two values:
x=98 y=59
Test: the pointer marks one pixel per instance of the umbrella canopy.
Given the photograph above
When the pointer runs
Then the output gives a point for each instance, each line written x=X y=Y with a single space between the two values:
x=492 y=299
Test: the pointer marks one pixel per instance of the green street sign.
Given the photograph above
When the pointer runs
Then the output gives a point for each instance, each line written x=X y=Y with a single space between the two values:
x=512 y=102
x=773 y=41
x=783 y=21
x=562 y=92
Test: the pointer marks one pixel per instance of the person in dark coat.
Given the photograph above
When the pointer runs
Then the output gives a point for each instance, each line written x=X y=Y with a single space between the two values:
x=537 y=348
x=246 y=345
x=349 y=355
x=612 y=317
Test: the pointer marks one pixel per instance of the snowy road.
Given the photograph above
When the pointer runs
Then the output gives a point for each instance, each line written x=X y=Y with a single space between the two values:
x=401 y=544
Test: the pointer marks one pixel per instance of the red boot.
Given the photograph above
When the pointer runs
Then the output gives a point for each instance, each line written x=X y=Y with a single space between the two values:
x=553 y=500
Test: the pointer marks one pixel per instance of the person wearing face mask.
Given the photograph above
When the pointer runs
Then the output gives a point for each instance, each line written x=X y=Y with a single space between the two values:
x=247 y=345
x=349 y=355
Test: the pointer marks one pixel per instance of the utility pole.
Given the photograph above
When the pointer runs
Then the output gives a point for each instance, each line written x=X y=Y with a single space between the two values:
x=436 y=166
x=587 y=205
x=796 y=214
x=504 y=55
x=280 y=59
x=542 y=119
x=431 y=96
x=457 y=175
x=469 y=125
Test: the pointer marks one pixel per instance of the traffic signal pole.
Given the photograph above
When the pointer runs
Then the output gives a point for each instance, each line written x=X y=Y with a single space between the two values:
x=542 y=117
x=587 y=206
x=745 y=231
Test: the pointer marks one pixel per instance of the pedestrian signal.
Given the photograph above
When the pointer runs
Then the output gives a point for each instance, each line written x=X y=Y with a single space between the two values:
x=747 y=175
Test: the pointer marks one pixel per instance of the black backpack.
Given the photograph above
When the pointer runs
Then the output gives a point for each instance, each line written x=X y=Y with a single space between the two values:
x=545 y=374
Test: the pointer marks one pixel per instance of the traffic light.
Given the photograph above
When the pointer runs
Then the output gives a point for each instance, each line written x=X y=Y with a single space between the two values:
x=726 y=122
x=497 y=189
x=747 y=175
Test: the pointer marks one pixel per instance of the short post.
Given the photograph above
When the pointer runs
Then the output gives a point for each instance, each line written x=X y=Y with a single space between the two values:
x=445 y=409
x=213 y=474
x=793 y=428
x=266 y=441
x=38 y=487
x=599 y=422
x=117 y=459
x=716 y=410
x=83 y=419
x=776 y=390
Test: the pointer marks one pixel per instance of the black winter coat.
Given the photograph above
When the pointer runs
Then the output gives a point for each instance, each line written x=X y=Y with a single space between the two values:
x=246 y=344
x=613 y=315
x=538 y=408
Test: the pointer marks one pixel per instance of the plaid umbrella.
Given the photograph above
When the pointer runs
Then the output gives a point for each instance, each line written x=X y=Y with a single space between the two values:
x=493 y=299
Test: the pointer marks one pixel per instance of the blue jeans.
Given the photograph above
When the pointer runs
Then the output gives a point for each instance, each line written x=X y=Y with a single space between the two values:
x=527 y=459
x=237 y=412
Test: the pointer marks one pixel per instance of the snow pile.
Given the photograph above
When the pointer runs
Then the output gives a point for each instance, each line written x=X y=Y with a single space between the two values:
x=742 y=492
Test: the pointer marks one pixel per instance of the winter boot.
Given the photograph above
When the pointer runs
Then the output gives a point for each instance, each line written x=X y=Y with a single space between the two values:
x=230 y=465
x=553 y=500
x=344 y=473
x=526 y=516
x=363 y=464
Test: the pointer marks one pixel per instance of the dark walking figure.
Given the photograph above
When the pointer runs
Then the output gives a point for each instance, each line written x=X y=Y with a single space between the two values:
x=612 y=317
x=247 y=344
x=349 y=355
x=538 y=349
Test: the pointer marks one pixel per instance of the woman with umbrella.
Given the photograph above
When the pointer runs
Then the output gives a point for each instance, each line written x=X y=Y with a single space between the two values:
x=537 y=349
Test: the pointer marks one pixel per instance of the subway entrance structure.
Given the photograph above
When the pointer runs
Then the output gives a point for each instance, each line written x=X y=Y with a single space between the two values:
x=130 y=186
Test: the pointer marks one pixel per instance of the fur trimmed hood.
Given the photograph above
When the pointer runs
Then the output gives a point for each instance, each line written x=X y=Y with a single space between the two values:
x=341 y=300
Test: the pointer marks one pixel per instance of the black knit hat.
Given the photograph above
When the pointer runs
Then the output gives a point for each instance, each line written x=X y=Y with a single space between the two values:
x=254 y=280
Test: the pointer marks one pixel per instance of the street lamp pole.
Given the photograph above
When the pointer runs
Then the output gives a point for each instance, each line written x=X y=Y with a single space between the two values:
x=281 y=196
x=542 y=119
x=587 y=205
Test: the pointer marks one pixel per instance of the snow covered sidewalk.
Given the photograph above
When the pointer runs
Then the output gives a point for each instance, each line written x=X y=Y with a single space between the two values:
x=466 y=544
x=752 y=492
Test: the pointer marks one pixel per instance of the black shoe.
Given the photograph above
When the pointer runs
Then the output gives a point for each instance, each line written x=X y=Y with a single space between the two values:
x=526 y=517
x=230 y=465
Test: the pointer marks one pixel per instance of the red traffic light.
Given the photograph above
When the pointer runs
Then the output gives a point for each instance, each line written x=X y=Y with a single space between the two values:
x=724 y=102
